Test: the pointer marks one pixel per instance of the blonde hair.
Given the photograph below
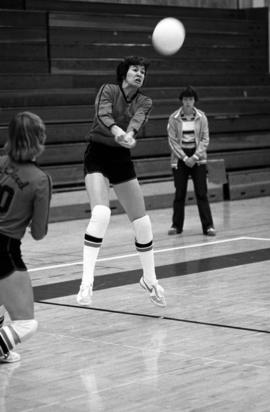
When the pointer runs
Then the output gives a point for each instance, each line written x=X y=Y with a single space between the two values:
x=26 y=137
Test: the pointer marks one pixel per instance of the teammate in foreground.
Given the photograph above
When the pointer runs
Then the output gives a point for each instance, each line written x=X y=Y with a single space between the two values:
x=120 y=111
x=25 y=193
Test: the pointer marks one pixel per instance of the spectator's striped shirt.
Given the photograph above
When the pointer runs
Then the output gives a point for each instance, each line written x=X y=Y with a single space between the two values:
x=188 y=138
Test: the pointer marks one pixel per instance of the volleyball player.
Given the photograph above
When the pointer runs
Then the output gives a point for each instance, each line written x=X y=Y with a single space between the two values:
x=120 y=112
x=25 y=192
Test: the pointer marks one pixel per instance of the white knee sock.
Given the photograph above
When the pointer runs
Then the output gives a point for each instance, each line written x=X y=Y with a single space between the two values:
x=95 y=232
x=144 y=246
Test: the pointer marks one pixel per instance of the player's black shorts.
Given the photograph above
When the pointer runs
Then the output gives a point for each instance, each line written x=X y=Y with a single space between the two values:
x=10 y=256
x=113 y=162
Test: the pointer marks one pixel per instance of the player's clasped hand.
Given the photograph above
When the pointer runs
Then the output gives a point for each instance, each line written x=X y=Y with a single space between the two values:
x=126 y=140
x=121 y=137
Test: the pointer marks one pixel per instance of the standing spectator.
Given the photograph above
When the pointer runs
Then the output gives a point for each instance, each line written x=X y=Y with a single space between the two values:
x=188 y=136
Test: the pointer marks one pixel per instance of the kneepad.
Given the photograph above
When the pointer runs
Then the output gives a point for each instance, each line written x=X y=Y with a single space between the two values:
x=24 y=328
x=143 y=230
x=99 y=221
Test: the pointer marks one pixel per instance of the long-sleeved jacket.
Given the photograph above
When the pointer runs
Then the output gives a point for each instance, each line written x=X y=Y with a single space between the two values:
x=175 y=135
x=113 y=108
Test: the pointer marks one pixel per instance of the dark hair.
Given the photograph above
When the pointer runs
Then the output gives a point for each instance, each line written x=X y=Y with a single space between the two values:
x=189 y=91
x=26 y=137
x=122 y=68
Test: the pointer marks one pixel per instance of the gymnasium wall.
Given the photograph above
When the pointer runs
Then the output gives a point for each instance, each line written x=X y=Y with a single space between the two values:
x=56 y=53
x=221 y=4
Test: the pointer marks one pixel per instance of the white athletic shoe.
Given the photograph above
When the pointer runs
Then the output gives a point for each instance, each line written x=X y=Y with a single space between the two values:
x=84 y=296
x=11 y=357
x=156 y=293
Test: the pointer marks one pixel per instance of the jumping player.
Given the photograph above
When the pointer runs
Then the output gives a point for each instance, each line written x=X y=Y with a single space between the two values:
x=25 y=193
x=120 y=111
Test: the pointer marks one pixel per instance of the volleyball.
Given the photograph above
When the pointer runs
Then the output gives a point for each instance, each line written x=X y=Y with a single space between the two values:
x=168 y=36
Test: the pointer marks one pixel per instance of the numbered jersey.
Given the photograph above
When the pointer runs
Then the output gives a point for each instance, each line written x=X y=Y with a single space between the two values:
x=25 y=193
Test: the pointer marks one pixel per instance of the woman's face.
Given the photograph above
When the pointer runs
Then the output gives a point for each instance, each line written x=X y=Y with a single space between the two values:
x=188 y=102
x=135 y=76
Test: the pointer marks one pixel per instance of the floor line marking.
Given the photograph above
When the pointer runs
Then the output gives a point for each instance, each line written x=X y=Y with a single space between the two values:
x=257 y=238
x=62 y=265
x=153 y=316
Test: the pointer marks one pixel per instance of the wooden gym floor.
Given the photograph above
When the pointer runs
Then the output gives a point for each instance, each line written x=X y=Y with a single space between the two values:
x=209 y=350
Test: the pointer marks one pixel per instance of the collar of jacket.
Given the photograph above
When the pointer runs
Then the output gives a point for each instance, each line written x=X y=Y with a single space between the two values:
x=177 y=115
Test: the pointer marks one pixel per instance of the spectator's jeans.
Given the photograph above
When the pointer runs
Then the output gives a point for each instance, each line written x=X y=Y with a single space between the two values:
x=198 y=175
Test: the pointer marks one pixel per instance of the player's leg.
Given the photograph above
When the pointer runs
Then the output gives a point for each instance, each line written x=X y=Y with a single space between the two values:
x=97 y=187
x=16 y=294
x=131 y=198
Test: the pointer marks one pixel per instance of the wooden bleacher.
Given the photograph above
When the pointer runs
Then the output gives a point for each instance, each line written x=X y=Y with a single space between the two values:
x=55 y=55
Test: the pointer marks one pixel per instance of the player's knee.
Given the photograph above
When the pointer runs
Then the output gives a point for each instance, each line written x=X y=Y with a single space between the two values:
x=24 y=328
x=99 y=221
x=143 y=230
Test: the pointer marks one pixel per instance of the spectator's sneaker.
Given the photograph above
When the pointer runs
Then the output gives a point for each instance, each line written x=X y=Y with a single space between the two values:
x=210 y=232
x=84 y=296
x=11 y=357
x=174 y=231
x=156 y=293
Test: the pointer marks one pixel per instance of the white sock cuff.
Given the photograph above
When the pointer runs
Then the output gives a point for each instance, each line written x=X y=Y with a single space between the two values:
x=143 y=229
x=24 y=328
x=99 y=221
